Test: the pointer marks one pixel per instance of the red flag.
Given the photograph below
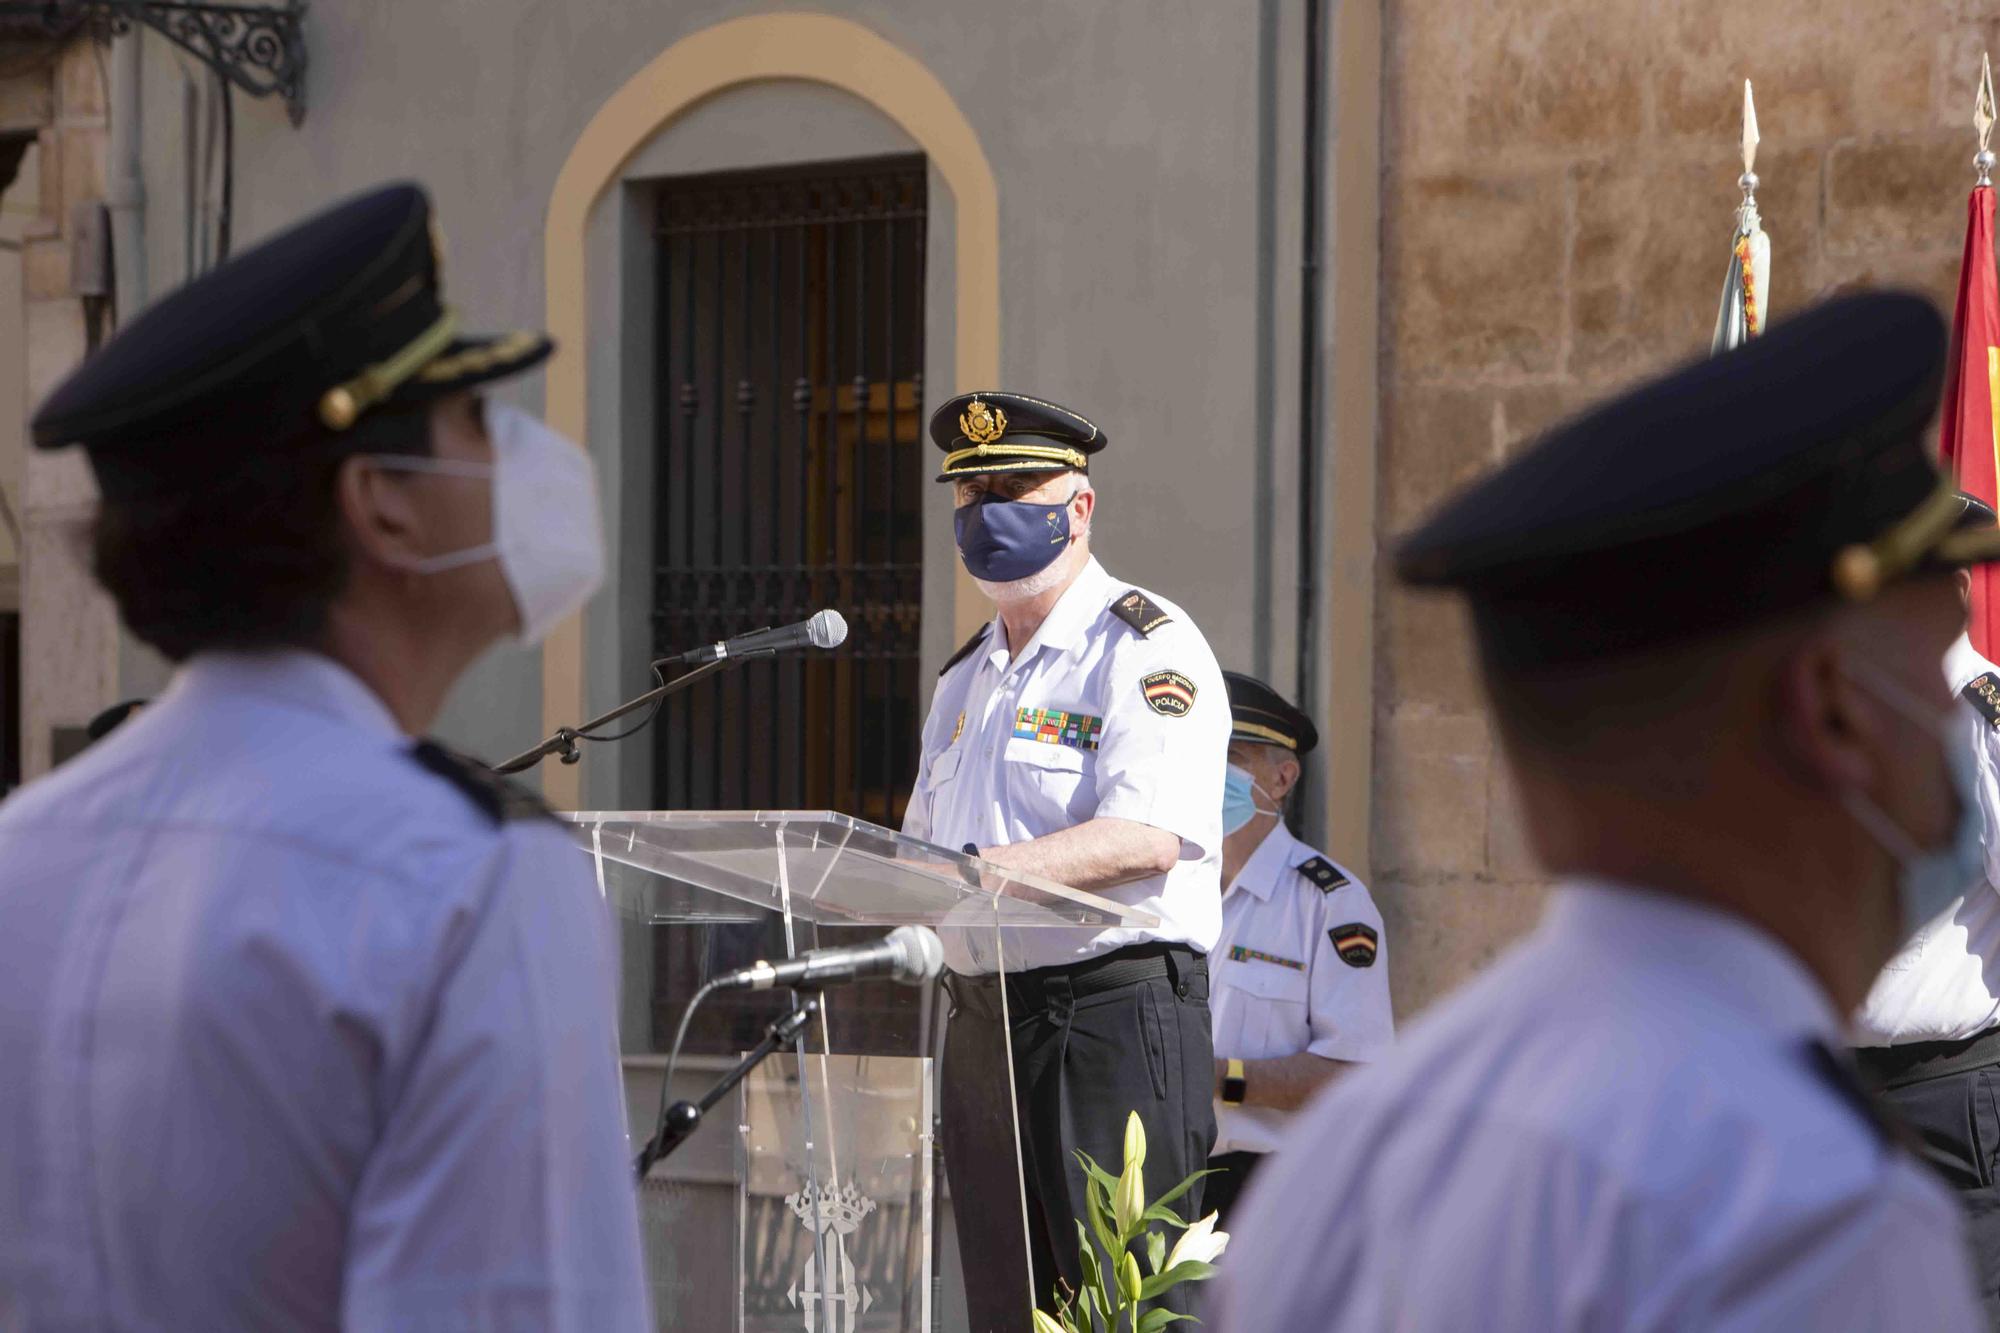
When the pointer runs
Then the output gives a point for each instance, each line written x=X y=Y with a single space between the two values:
x=1968 y=442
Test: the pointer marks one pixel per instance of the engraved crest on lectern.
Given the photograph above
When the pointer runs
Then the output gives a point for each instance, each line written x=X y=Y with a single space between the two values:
x=836 y=1213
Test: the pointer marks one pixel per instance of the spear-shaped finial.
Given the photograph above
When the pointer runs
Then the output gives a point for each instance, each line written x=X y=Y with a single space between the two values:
x=1982 y=120
x=1750 y=141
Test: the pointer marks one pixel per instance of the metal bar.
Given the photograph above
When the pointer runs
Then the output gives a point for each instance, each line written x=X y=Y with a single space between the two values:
x=834 y=781
x=745 y=402
x=663 y=533
x=713 y=779
x=1309 y=309
x=854 y=593
x=690 y=401
x=772 y=530
x=802 y=408
x=885 y=729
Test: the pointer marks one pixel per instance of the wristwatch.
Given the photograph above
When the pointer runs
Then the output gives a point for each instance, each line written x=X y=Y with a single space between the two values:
x=1233 y=1086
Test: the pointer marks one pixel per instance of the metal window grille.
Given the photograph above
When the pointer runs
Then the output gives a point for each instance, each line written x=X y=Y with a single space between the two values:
x=791 y=476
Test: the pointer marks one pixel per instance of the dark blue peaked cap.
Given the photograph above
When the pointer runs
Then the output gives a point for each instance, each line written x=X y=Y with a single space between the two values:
x=1736 y=488
x=334 y=317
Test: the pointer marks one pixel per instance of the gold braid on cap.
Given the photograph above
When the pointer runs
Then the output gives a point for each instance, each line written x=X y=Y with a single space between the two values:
x=1270 y=734
x=1071 y=458
x=1861 y=570
x=342 y=405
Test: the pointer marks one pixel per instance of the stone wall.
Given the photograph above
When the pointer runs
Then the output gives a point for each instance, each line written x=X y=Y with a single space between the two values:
x=69 y=634
x=1559 y=181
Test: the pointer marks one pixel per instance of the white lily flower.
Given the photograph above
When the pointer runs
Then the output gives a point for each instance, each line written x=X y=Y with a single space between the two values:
x=1201 y=1242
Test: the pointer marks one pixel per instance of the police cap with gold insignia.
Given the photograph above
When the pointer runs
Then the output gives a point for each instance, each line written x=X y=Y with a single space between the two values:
x=1260 y=715
x=997 y=431
x=334 y=317
x=1785 y=472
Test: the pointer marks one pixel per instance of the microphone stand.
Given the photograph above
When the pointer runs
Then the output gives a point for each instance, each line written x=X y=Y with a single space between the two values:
x=563 y=743
x=683 y=1118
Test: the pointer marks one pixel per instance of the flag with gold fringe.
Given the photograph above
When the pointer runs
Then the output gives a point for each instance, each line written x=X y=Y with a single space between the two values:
x=1967 y=438
x=1746 y=288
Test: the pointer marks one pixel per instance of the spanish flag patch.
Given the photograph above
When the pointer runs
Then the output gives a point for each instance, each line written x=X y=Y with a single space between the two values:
x=1168 y=693
x=1355 y=943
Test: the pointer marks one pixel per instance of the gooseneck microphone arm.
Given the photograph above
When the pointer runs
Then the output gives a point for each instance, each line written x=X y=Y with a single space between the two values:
x=563 y=743
x=681 y=1119
x=826 y=629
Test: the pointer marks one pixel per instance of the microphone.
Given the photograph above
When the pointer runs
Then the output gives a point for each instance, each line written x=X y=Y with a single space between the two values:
x=825 y=630
x=909 y=954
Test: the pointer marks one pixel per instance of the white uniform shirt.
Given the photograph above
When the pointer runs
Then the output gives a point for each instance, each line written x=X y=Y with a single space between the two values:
x=1084 y=722
x=1944 y=984
x=1277 y=981
x=1618 y=1126
x=293 y=1035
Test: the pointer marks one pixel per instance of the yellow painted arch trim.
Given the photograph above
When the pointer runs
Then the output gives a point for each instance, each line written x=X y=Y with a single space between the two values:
x=817 y=48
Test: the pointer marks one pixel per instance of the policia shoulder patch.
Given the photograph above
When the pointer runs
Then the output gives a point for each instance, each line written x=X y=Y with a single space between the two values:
x=1355 y=943
x=1140 y=612
x=1983 y=693
x=1168 y=693
x=964 y=651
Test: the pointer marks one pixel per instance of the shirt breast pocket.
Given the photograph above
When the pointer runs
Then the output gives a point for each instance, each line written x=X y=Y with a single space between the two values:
x=1275 y=1003
x=1050 y=785
x=942 y=770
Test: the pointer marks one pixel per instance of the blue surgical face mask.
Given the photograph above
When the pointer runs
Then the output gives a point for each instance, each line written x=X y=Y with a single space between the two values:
x=1928 y=880
x=1239 y=799
x=1001 y=540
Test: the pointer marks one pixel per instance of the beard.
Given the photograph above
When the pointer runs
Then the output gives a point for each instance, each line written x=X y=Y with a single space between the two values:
x=1034 y=585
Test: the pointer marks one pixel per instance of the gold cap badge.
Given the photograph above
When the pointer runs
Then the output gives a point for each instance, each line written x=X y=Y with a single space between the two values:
x=982 y=424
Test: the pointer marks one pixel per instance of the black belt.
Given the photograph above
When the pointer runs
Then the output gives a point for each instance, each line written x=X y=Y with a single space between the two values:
x=1898 y=1066
x=1028 y=992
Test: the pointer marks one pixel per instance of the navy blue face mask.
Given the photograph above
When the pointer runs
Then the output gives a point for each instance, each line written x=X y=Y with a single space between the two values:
x=1002 y=540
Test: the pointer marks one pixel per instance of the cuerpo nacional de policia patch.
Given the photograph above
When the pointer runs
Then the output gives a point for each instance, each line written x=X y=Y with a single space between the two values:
x=1168 y=693
x=1355 y=943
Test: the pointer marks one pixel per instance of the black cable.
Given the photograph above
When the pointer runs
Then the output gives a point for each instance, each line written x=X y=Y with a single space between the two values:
x=652 y=714
x=667 y=1078
x=222 y=222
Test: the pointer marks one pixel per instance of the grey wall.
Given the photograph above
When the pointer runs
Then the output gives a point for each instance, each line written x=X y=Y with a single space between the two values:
x=1125 y=138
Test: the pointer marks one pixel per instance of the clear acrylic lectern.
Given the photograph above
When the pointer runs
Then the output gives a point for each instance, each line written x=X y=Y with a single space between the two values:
x=813 y=1198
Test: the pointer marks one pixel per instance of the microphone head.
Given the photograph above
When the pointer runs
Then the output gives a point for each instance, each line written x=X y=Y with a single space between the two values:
x=922 y=954
x=828 y=629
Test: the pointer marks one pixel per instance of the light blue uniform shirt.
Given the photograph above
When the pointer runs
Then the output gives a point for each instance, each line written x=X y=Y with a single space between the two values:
x=1618 y=1127
x=294 y=1035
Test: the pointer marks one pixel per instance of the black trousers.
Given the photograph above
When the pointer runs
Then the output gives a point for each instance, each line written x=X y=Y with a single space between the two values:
x=1225 y=1188
x=1948 y=1094
x=1091 y=1042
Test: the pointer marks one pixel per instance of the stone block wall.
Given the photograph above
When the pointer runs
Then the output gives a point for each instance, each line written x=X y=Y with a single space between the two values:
x=1558 y=194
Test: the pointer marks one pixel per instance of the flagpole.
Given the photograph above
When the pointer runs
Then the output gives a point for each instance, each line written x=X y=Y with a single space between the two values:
x=1968 y=443
x=1746 y=297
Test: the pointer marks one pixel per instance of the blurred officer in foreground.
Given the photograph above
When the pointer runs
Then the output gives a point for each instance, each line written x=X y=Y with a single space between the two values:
x=1709 y=617
x=1301 y=973
x=306 y=1024
x=1929 y=1032
x=1080 y=736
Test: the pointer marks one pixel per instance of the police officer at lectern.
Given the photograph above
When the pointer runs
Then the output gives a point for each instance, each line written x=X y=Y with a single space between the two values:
x=1080 y=736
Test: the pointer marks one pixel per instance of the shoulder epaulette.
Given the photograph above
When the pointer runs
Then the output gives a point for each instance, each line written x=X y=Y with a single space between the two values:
x=965 y=649
x=1323 y=873
x=1139 y=611
x=1983 y=693
x=497 y=798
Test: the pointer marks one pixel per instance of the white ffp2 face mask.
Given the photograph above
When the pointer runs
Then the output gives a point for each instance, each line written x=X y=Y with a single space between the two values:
x=548 y=532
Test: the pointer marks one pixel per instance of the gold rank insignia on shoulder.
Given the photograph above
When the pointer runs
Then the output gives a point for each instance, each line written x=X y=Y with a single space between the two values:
x=982 y=424
x=1239 y=954
x=1983 y=693
x=958 y=730
x=1355 y=943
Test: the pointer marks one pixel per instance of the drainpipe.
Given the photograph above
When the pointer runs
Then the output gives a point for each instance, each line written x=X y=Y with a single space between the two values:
x=1311 y=243
x=125 y=183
